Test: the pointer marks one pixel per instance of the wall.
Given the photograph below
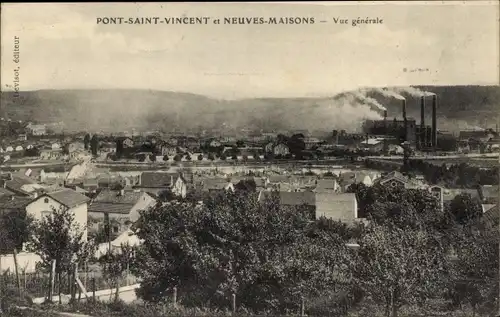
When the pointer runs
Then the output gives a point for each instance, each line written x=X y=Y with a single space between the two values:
x=144 y=202
x=37 y=207
x=341 y=207
x=126 y=294
x=25 y=261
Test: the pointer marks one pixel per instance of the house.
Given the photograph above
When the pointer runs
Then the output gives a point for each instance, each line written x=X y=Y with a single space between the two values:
x=216 y=184
x=20 y=185
x=214 y=144
x=167 y=149
x=50 y=153
x=373 y=145
x=489 y=194
x=121 y=208
x=261 y=182
x=476 y=135
x=22 y=137
x=90 y=185
x=489 y=219
x=191 y=143
x=281 y=149
x=74 y=149
x=327 y=185
x=450 y=193
x=343 y=207
x=305 y=199
x=4 y=192
x=486 y=207
x=123 y=144
x=36 y=129
x=53 y=177
x=311 y=143
x=281 y=183
x=10 y=204
x=346 y=179
x=395 y=179
x=66 y=198
x=156 y=182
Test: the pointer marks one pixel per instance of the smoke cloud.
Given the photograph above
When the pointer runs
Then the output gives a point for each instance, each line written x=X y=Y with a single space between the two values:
x=390 y=93
x=361 y=95
x=414 y=92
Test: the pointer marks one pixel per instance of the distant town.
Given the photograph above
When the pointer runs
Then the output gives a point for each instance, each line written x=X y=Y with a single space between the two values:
x=108 y=181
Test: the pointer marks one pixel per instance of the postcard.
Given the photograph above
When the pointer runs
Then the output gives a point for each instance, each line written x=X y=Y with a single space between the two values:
x=252 y=158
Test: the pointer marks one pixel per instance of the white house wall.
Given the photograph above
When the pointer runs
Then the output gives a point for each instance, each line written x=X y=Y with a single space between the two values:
x=39 y=206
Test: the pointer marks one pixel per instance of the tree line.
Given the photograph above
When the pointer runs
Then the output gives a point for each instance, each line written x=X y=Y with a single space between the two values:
x=272 y=257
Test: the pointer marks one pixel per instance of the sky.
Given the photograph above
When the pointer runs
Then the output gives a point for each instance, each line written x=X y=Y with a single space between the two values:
x=62 y=47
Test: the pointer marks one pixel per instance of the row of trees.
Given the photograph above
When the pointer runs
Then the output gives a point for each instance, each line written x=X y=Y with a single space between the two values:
x=271 y=255
x=461 y=175
x=92 y=143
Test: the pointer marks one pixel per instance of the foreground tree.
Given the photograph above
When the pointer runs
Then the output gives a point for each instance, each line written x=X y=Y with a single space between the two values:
x=400 y=266
x=59 y=237
x=115 y=266
x=94 y=145
x=464 y=208
x=476 y=268
x=14 y=232
x=263 y=253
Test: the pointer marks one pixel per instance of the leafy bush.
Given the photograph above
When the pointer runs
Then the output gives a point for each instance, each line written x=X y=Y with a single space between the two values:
x=277 y=257
x=11 y=298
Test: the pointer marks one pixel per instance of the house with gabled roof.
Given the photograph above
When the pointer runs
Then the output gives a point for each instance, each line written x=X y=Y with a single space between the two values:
x=156 y=182
x=214 y=184
x=11 y=203
x=121 y=208
x=20 y=185
x=306 y=199
x=327 y=185
x=489 y=219
x=396 y=179
x=76 y=203
x=343 y=207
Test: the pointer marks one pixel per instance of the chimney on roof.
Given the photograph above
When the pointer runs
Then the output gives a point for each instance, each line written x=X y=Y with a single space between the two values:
x=122 y=192
x=12 y=198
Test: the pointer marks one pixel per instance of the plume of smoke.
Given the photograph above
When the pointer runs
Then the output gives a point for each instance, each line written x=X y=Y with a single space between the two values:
x=414 y=92
x=390 y=93
x=369 y=100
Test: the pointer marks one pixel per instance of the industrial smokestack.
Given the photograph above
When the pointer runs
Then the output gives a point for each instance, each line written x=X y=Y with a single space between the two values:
x=385 y=122
x=423 y=130
x=405 y=120
x=434 y=121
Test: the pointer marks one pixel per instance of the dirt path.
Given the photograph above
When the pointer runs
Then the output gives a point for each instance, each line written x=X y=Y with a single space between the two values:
x=54 y=313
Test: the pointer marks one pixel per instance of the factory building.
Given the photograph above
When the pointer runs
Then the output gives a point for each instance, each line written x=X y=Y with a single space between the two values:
x=419 y=135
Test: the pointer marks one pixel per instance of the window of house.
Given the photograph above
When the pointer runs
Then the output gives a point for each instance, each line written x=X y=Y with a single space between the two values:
x=115 y=229
x=46 y=200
